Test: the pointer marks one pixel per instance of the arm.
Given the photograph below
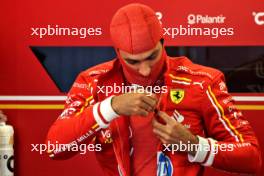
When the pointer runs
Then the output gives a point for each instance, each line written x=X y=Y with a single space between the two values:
x=227 y=127
x=81 y=119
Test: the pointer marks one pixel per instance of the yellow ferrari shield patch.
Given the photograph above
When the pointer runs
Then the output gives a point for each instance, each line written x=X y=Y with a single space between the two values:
x=176 y=95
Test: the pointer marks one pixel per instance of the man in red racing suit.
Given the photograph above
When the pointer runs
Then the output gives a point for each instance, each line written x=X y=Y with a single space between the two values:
x=194 y=108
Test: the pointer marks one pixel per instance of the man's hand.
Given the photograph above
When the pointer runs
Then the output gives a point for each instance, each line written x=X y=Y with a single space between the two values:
x=172 y=132
x=3 y=117
x=134 y=104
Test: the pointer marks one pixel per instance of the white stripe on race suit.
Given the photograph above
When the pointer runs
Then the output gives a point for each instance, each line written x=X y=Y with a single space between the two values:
x=220 y=117
x=181 y=82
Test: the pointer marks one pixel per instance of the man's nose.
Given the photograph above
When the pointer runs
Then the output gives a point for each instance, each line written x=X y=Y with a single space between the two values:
x=144 y=69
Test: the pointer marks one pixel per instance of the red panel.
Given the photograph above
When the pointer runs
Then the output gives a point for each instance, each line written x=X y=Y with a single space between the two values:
x=21 y=74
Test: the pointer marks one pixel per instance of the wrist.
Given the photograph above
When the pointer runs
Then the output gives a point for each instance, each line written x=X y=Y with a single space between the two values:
x=194 y=141
x=201 y=152
x=104 y=113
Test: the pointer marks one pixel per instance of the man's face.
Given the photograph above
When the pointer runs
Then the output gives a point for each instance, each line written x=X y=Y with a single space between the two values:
x=143 y=62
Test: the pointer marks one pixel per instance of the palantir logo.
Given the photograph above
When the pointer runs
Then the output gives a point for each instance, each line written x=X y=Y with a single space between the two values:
x=191 y=19
x=259 y=18
x=205 y=19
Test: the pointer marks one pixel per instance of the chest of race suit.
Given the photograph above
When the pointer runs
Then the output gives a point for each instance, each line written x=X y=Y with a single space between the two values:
x=180 y=97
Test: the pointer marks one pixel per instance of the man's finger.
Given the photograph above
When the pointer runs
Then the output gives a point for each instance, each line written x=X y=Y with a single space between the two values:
x=150 y=101
x=164 y=116
x=158 y=126
x=153 y=96
x=164 y=141
x=160 y=133
x=162 y=136
x=142 y=112
x=146 y=106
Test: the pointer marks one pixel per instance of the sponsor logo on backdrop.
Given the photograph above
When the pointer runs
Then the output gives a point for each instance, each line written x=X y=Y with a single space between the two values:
x=199 y=25
x=159 y=16
x=205 y=19
x=258 y=18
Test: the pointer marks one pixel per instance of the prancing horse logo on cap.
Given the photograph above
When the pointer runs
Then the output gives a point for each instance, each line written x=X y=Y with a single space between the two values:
x=176 y=95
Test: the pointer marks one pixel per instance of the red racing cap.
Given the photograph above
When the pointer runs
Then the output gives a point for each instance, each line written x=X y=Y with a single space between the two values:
x=135 y=28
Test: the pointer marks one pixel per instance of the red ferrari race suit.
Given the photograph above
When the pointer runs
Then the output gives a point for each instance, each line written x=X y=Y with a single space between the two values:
x=196 y=97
